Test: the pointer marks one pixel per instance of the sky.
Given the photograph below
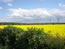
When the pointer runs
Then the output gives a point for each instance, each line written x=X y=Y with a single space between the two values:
x=32 y=11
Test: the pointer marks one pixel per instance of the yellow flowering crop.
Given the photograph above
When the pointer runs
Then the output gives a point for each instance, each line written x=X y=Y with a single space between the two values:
x=53 y=29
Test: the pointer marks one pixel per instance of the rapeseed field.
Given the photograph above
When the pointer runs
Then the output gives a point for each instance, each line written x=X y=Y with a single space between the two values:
x=52 y=29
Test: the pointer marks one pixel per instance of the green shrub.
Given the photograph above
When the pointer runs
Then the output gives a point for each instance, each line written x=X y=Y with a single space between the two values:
x=55 y=42
x=34 y=38
x=9 y=36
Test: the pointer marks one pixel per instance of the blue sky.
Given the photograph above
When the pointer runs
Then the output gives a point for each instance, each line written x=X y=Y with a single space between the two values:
x=32 y=11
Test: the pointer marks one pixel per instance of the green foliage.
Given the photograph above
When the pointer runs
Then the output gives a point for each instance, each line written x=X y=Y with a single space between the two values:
x=9 y=36
x=34 y=38
x=11 y=29
x=55 y=42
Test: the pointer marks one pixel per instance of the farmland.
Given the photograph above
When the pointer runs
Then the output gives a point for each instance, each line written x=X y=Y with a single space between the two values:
x=53 y=29
x=23 y=36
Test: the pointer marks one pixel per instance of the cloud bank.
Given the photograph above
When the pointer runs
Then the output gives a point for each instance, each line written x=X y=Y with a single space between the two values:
x=37 y=15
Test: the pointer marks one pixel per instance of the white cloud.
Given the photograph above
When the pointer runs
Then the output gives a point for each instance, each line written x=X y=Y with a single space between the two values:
x=57 y=12
x=1 y=8
x=62 y=5
x=28 y=13
x=9 y=4
x=39 y=12
x=6 y=0
x=36 y=15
